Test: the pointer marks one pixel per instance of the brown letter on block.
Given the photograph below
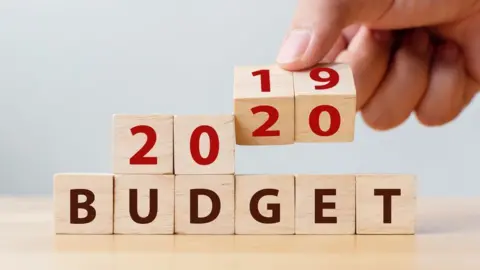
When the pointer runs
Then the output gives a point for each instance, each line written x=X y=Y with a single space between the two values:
x=152 y=214
x=273 y=207
x=320 y=205
x=216 y=206
x=387 y=202
x=75 y=205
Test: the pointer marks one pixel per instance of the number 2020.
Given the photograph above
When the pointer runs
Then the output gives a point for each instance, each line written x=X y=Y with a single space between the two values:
x=273 y=115
x=141 y=158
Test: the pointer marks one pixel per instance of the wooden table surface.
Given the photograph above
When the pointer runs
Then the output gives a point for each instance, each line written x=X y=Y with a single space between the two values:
x=448 y=237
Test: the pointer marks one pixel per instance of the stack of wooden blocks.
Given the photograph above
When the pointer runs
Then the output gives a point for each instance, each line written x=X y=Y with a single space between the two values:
x=176 y=174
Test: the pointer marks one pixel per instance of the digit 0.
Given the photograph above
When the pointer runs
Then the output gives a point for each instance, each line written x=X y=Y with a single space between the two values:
x=195 y=145
x=263 y=130
x=314 y=120
x=140 y=157
x=328 y=82
x=264 y=79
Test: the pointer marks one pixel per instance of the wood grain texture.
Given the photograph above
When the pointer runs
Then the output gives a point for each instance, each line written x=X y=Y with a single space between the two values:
x=272 y=196
x=225 y=130
x=223 y=188
x=93 y=193
x=371 y=216
x=248 y=95
x=125 y=144
x=152 y=202
x=342 y=97
x=337 y=202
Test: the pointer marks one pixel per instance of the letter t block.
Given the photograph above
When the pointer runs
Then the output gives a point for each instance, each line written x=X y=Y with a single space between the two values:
x=264 y=105
x=385 y=204
x=325 y=104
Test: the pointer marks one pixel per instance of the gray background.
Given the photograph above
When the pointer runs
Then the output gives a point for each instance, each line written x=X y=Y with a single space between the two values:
x=67 y=66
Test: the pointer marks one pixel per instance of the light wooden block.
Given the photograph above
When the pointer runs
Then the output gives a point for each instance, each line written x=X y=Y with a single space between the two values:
x=144 y=204
x=386 y=204
x=204 y=204
x=204 y=144
x=83 y=203
x=264 y=204
x=264 y=105
x=143 y=144
x=326 y=114
x=325 y=204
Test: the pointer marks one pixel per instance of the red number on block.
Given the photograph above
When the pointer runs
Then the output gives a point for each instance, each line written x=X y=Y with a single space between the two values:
x=262 y=131
x=195 y=145
x=314 y=120
x=329 y=82
x=140 y=157
x=264 y=79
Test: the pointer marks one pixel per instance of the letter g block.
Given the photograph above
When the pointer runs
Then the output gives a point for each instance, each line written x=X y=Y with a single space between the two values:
x=83 y=203
x=264 y=204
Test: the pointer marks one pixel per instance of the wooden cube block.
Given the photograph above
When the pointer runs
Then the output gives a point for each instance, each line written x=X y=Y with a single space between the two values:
x=386 y=204
x=83 y=203
x=204 y=204
x=325 y=204
x=325 y=104
x=264 y=105
x=264 y=204
x=143 y=144
x=204 y=144
x=144 y=204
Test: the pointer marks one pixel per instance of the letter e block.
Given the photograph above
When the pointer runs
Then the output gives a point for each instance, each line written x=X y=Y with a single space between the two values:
x=204 y=204
x=144 y=204
x=325 y=104
x=264 y=204
x=385 y=204
x=325 y=204
x=264 y=105
x=143 y=144
x=204 y=144
x=83 y=203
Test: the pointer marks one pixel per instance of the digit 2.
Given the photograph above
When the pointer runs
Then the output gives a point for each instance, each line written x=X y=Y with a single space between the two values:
x=140 y=157
x=272 y=118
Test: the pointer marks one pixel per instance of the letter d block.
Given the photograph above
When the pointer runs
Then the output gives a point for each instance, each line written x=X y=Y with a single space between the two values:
x=144 y=204
x=325 y=104
x=385 y=204
x=264 y=204
x=204 y=204
x=83 y=203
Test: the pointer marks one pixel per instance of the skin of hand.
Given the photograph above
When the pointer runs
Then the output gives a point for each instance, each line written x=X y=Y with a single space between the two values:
x=420 y=56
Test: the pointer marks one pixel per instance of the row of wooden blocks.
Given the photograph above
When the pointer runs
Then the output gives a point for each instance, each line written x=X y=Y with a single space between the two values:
x=234 y=204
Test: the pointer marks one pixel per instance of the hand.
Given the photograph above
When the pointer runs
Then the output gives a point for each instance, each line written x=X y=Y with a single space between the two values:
x=431 y=68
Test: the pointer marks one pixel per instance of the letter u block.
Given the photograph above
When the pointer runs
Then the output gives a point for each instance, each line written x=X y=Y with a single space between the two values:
x=83 y=203
x=264 y=204
x=264 y=105
x=144 y=204
x=325 y=104
x=204 y=204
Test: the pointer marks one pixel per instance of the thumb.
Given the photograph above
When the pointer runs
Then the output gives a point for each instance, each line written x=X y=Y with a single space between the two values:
x=317 y=25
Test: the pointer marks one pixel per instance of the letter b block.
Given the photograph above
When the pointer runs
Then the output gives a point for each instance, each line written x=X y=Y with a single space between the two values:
x=264 y=105
x=325 y=104
x=144 y=204
x=204 y=144
x=83 y=203
x=204 y=204
x=385 y=204
x=264 y=204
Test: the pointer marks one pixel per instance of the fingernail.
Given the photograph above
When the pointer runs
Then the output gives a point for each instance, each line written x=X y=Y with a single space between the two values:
x=382 y=36
x=419 y=40
x=294 y=46
x=448 y=52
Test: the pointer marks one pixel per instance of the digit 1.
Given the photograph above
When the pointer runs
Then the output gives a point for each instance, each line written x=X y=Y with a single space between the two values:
x=330 y=81
x=264 y=79
x=195 y=145
x=314 y=120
